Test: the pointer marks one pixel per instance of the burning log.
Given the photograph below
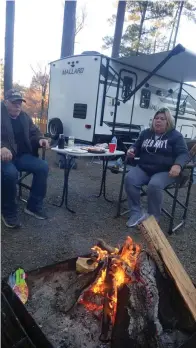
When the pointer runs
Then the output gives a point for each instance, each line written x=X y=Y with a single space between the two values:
x=110 y=302
x=65 y=301
x=172 y=263
x=117 y=270
x=104 y=246
x=139 y=319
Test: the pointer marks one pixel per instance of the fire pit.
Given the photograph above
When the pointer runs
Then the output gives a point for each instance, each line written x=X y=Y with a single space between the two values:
x=113 y=297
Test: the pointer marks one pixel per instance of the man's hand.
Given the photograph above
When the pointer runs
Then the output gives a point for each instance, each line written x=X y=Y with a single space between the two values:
x=131 y=152
x=175 y=171
x=44 y=143
x=6 y=154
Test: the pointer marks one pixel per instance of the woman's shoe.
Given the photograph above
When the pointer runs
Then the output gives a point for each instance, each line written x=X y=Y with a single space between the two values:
x=135 y=219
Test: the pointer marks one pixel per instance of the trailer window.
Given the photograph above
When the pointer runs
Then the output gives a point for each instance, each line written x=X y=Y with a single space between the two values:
x=80 y=111
x=127 y=86
x=145 y=98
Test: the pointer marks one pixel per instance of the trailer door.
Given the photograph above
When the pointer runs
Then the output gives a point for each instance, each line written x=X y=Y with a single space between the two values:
x=120 y=84
x=122 y=112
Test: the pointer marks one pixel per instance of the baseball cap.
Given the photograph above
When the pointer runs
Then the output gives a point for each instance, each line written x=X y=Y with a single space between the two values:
x=14 y=94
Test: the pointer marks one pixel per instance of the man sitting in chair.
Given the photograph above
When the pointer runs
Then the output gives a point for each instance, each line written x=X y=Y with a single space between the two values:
x=19 y=140
x=162 y=153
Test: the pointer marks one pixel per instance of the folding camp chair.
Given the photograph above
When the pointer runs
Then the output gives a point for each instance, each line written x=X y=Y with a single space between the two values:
x=185 y=180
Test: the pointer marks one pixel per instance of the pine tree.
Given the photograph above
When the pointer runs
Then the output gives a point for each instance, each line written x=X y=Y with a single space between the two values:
x=153 y=26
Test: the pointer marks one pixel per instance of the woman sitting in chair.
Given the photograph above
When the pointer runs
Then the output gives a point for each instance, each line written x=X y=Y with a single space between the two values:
x=162 y=153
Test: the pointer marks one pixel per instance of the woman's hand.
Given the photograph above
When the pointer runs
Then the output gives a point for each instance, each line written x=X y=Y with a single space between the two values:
x=175 y=170
x=131 y=152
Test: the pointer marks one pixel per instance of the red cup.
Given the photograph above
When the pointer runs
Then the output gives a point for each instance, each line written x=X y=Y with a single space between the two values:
x=112 y=147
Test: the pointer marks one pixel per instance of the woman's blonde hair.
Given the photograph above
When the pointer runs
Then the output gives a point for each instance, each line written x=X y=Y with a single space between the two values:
x=168 y=116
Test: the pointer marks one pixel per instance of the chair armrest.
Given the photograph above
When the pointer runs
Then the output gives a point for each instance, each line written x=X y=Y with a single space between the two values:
x=43 y=152
x=190 y=165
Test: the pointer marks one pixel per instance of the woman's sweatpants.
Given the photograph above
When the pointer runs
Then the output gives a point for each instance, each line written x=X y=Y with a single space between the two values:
x=135 y=179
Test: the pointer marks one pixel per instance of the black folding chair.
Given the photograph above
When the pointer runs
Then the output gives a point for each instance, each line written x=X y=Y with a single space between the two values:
x=185 y=180
x=23 y=175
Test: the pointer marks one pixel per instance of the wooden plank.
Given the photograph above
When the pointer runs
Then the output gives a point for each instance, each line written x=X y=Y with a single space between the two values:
x=154 y=235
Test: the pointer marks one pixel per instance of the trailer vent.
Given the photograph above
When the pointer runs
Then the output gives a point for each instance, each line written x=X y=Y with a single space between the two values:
x=80 y=111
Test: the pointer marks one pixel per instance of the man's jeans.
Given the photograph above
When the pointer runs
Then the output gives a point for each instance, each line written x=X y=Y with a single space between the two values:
x=135 y=179
x=9 y=178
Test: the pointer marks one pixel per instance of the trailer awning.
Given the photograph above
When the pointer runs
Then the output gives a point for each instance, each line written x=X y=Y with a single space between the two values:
x=181 y=67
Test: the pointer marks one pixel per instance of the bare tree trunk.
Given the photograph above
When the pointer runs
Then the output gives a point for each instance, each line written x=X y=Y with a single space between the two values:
x=172 y=29
x=155 y=43
x=178 y=22
x=43 y=100
x=9 y=45
x=118 y=28
x=69 y=27
x=144 y=5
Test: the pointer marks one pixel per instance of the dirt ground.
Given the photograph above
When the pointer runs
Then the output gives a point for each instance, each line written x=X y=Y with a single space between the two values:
x=65 y=235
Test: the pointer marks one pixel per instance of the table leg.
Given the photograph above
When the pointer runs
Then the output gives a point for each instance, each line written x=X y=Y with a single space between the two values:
x=103 y=177
x=64 y=198
x=103 y=180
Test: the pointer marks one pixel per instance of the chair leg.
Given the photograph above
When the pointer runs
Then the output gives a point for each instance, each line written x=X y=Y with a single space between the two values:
x=188 y=196
x=20 y=189
x=171 y=222
x=118 y=212
x=22 y=185
x=20 y=195
x=20 y=192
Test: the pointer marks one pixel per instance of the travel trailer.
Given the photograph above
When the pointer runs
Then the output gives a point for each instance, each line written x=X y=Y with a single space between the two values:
x=92 y=97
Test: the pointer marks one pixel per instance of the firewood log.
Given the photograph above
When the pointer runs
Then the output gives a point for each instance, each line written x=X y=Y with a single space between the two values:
x=152 y=251
x=85 y=265
x=103 y=245
x=172 y=264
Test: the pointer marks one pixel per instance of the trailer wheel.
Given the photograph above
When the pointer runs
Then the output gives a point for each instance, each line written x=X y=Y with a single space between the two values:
x=55 y=127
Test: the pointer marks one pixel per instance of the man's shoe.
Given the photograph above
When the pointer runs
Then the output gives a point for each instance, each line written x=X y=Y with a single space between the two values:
x=135 y=219
x=39 y=214
x=11 y=221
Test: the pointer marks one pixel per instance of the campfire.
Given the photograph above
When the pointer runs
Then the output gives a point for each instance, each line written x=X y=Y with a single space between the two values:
x=115 y=268
x=116 y=297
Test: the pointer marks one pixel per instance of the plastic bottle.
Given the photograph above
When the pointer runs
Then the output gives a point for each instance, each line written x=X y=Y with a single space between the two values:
x=114 y=140
x=119 y=163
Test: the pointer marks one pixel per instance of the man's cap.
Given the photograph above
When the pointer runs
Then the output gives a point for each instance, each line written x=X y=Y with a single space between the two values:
x=14 y=94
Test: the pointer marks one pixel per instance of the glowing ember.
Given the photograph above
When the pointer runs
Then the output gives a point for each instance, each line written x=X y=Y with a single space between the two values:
x=121 y=266
x=91 y=306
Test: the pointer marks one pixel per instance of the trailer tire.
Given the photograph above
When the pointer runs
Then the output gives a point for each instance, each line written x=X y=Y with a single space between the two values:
x=55 y=127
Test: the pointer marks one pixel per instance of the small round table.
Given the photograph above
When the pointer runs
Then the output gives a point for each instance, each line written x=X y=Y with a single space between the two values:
x=68 y=156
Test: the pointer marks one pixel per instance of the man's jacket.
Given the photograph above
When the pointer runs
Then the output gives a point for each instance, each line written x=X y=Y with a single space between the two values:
x=32 y=133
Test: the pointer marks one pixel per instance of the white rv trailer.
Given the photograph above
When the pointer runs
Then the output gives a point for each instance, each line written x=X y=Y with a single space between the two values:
x=88 y=93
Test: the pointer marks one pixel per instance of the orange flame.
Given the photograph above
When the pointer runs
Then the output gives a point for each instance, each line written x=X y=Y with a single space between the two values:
x=122 y=260
x=98 y=287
